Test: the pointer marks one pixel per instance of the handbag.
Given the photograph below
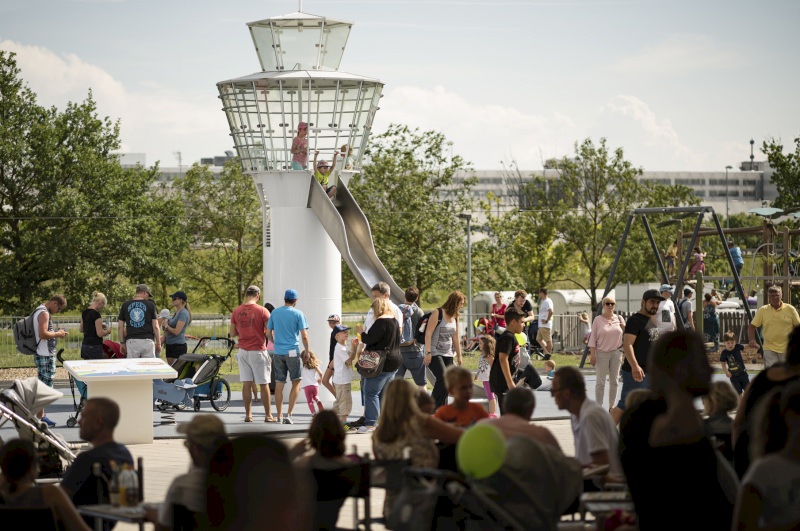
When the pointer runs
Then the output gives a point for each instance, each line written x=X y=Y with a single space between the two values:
x=369 y=363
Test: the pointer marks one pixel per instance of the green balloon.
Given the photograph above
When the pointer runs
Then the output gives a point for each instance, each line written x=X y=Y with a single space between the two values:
x=481 y=451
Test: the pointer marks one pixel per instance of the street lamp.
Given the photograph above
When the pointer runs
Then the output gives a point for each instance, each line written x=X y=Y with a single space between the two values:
x=727 y=216
x=468 y=217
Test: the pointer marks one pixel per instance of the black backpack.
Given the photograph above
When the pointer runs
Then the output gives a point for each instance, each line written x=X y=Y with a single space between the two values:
x=419 y=336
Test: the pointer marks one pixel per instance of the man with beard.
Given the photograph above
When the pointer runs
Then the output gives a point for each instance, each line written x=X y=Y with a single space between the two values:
x=641 y=331
x=663 y=446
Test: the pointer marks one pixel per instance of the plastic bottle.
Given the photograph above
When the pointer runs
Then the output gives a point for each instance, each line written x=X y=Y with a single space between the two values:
x=113 y=486
x=128 y=487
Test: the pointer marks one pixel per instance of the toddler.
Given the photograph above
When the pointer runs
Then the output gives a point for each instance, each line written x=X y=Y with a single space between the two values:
x=484 y=368
x=343 y=373
x=310 y=378
x=462 y=413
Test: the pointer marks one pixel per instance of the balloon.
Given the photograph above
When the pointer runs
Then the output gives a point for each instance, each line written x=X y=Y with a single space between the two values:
x=480 y=451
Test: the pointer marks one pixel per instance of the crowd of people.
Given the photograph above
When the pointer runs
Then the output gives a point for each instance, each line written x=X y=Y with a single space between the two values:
x=741 y=472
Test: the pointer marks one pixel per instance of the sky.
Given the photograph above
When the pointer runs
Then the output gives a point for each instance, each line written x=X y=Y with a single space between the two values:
x=680 y=85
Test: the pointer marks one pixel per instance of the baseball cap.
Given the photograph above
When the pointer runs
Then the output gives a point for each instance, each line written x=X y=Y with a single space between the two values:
x=340 y=328
x=203 y=430
x=652 y=294
x=290 y=295
x=665 y=287
x=179 y=295
x=323 y=164
x=302 y=125
x=334 y=317
x=144 y=288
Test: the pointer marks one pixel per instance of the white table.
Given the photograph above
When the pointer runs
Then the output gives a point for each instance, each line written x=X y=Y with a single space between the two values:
x=129 y=382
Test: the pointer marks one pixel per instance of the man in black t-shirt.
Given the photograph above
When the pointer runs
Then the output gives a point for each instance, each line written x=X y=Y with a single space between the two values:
x=139 y=332
x=641 y=331
x=505 y=356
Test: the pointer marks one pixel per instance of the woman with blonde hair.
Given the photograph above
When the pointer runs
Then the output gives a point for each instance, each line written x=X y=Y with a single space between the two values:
x=402 y=425
x=94 y=330
x=442 y=344
x=383 y=336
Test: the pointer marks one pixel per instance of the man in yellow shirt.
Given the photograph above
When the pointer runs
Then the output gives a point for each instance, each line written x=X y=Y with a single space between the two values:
x=778 y=319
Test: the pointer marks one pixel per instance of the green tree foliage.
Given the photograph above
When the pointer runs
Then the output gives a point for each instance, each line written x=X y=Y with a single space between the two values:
x=787 y=173
x=71 y=219
x=224 y=222
x=590 y=202
x=408 y=193
x=521 y=250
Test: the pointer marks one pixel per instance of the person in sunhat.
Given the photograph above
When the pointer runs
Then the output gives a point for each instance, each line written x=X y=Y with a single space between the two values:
x=322 y=172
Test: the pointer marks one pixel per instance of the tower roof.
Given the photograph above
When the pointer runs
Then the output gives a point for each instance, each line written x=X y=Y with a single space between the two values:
x=299 y=41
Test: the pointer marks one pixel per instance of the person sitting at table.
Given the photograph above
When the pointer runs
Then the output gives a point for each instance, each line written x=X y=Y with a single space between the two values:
x=188 y=491
x=97 y=422
x=18 y=488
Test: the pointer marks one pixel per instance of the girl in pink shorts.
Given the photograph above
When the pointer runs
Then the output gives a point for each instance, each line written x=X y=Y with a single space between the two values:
x=484 y=367
x=310 y=378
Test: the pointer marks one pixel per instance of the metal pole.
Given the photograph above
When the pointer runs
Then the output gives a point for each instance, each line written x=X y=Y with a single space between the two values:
x=727 y=215
x=468 y=217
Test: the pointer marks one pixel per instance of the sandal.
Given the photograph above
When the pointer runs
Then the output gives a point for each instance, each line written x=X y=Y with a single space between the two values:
x=270 y=419
x=248 y=419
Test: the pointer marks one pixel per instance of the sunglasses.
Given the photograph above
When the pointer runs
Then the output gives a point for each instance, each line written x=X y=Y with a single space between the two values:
x=611 y=304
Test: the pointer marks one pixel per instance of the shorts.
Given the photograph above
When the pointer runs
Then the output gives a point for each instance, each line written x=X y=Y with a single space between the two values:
x=140 y=348
x=286 y=366
x=92 y=352
x=543 y=334
x=254 y=366
x=45 y=368
x=344 y=399
x=176 y=351
x=628 y=385
x=413 y=361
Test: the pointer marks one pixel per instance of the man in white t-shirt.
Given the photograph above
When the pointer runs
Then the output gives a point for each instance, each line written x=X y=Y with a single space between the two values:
x=665 y=317
x=382 y=289
x=544 y=336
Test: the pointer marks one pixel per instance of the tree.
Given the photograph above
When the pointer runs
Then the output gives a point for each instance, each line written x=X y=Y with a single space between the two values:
x=407 y=191
x=71 y=219
x=787 y=173
x=522 y=250
x=591 y=199
x=225 y=226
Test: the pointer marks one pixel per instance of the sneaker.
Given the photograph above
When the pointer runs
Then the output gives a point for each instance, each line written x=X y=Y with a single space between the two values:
x=288 y=420
x=49 y=422
x=366 y=429
x=354 y=425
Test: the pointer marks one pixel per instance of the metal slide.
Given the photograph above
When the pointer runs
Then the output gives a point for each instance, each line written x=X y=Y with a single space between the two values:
x=348 y=228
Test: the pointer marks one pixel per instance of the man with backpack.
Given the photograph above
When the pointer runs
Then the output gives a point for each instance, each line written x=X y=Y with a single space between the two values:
x=46 y=336
x=409 y=348
x=686 y=309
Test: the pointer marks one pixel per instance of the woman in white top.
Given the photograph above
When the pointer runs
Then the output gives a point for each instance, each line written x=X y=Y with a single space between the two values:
x=605 y=350
x=442 y=344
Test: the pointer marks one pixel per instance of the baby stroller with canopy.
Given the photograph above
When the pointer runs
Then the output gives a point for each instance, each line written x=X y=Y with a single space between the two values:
x=198 y=378
x=19 y=404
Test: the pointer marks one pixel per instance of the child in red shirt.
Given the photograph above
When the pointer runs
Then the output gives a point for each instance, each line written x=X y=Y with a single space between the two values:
x=462 y=413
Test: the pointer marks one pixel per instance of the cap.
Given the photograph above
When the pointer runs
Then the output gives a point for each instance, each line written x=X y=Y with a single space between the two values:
x=290 y=295
x=665 y=287
x=203 y=430
x=652 y=294
x=341 y=328
x=334 y=317
x=302 y=125
x=179 y=295
x=323 y=164
x=144 y=288
x=164 y=314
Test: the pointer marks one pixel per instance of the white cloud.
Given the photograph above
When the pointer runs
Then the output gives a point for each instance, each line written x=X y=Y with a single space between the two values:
x=484 y=134
x=155 y=120
x=679 y=54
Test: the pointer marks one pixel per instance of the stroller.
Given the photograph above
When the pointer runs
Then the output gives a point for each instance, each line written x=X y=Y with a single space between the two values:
x=198 y=378
x=525 y=373
x=19 y=404
x=483 y=326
